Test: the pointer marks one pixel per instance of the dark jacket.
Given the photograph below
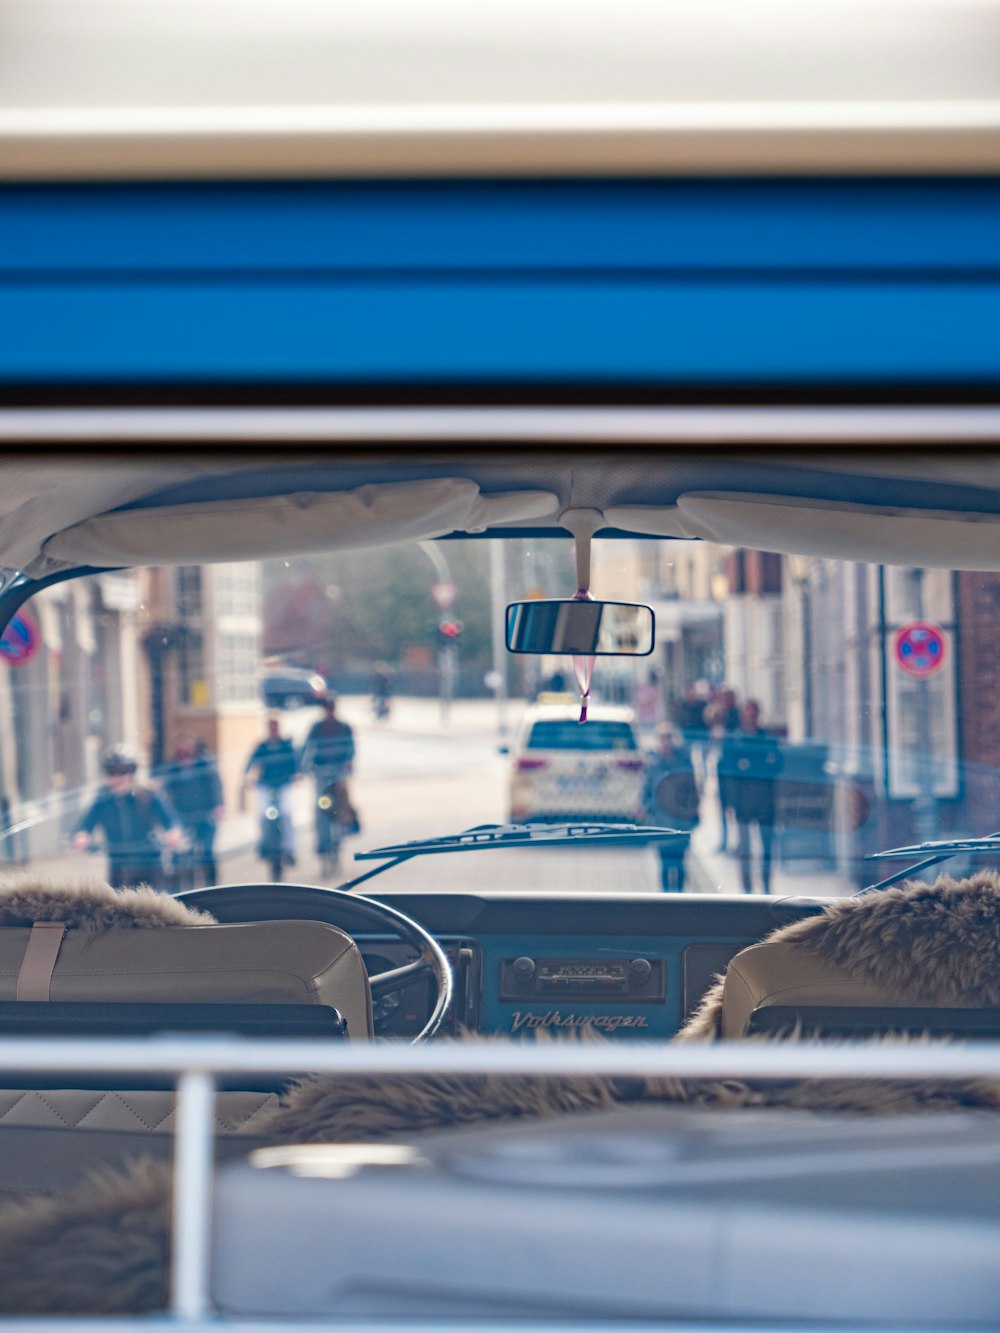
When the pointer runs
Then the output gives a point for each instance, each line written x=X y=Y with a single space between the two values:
x=193 y=789
x=329 y=747
x=129 y=824
x=276 y=762
x=749 y=766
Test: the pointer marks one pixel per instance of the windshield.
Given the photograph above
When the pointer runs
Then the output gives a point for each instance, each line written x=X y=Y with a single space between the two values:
x=796 y=715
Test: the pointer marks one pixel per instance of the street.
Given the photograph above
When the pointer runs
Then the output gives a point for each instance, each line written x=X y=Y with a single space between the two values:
x=416 y=776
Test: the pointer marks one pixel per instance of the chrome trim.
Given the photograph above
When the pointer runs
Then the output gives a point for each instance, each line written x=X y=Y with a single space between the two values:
x=609 y=425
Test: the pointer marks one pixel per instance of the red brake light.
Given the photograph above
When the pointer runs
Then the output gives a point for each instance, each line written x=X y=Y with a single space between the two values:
x=524 y=764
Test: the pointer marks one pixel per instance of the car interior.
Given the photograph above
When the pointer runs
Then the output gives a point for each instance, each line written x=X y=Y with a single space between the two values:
x=475 y=963
x=635 y=373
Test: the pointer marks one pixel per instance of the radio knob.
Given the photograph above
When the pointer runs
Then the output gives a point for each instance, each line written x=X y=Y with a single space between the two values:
x=640 y=969
x=524 y=968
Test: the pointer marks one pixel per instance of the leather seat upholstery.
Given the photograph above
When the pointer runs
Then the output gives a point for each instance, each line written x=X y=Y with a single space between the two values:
x=50 y=1137
x=267 y=962
x=782 y=973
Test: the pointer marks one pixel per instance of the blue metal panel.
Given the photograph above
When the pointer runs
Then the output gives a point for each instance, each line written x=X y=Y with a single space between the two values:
x=522 y=331
x=708 y=282
x=614 y=226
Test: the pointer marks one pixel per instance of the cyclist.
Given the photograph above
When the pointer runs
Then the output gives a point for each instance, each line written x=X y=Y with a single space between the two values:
x=327 y=756
x=136 y=824
x=276 y=766
x=192 y=786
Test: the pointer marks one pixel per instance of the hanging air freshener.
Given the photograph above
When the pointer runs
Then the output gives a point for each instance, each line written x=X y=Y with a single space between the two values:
x=583 y=523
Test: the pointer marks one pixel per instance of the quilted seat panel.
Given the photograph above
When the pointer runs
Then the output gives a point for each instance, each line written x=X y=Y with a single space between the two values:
x=235 y=1112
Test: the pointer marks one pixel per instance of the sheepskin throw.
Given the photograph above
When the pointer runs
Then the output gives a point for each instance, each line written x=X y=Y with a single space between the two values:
x=101 y=1248
x=926 y=944
x=91 y=905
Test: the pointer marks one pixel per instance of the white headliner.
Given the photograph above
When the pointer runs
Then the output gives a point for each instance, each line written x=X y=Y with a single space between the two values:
x=250 y=87
x=628 y=459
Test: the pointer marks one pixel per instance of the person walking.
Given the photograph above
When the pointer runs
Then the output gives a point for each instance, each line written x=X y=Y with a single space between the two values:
x=381 y=691
x=722 y=718
x=273 y=766
x=135 y=824
x=671 y=800
x=192 y=785
x=328 y=756
x=751 y=763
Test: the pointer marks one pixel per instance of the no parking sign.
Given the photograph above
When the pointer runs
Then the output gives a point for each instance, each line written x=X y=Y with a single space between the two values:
x=919 y=648
x=19 y=642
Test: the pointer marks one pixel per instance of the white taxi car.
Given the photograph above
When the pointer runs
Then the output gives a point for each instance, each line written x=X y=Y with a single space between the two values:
x=561 y=768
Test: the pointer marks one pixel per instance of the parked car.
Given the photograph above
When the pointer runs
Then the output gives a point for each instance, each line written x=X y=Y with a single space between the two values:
x=562 y=769
x=292 y=687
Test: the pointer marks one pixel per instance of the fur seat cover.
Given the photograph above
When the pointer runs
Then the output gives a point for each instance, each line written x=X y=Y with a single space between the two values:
x=102 y=1248
x=925 y=944
x=91 y=905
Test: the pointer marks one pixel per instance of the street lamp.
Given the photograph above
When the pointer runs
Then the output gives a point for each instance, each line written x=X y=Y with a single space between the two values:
x=799 y=568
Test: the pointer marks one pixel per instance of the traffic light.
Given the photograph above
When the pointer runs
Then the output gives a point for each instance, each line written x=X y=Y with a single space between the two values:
x=449 y=631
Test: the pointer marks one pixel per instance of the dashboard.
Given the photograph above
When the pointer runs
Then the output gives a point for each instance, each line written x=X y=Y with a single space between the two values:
x=628 y=967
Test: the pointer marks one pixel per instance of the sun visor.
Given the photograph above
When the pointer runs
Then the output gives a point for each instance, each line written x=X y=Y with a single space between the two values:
x=792 y=525
x=651 y=520
x=254 y=529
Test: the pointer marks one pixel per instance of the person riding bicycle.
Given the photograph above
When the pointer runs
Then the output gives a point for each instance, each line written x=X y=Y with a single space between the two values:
x=135 y=822
x=190 y=782
x=327 y=756
x=276 y=765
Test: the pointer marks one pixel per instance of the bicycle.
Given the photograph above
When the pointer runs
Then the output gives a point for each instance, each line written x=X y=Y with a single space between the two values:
x=335 y=819
x=192 y=863
x=274 y=846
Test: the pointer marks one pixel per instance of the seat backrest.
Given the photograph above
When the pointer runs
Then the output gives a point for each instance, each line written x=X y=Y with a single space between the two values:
x=132 y=978
x=267 y=962
x=859 y=1022
x=782 y=973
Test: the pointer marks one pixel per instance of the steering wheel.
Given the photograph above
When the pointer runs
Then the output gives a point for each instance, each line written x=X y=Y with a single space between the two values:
x=232 y=904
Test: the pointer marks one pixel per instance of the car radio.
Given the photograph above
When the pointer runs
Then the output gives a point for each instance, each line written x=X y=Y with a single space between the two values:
x=632 y=979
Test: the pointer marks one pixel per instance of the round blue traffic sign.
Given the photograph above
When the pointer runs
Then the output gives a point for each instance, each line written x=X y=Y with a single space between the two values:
x=919 y=648
x=19 y=641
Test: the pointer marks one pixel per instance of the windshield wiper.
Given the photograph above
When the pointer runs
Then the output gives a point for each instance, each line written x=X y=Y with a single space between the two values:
x=940 y=851
x=489 y=837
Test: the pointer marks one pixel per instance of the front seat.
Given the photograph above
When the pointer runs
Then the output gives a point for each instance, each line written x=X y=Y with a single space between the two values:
x=58 y=978
x=916 y=957
x=262 y=962
x=781 y=975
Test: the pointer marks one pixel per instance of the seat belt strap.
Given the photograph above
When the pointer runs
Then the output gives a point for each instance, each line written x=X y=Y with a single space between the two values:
x=39 y=962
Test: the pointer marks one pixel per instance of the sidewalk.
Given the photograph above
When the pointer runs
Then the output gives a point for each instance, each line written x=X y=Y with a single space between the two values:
x=712 y=871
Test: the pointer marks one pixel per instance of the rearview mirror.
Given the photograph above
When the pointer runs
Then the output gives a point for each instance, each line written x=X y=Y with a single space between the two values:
x=585 y=629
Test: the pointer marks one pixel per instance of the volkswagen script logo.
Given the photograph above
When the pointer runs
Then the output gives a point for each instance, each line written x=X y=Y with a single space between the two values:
x=555 y=1018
